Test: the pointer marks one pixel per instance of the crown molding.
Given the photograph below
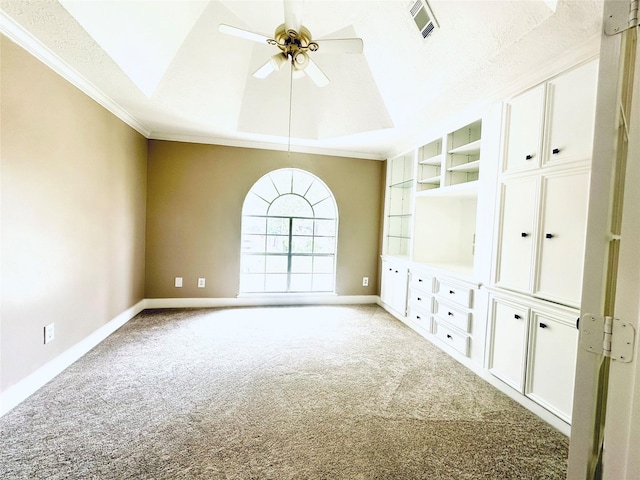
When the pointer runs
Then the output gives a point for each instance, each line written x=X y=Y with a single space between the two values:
x=240 y=143
x=19 y=35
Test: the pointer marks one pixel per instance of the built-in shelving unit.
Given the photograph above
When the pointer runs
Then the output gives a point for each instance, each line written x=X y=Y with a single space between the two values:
x=462 y=162
x=399 y=213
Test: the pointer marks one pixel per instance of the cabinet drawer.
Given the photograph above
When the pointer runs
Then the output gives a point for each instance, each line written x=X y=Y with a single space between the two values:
x=454 y=339
x=420 y=318
x=421 y=300
x=454 y=316
x=422 y=282
x=455 y=294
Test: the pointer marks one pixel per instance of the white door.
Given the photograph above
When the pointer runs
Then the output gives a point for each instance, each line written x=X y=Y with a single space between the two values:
x=562 y=232
x=571 y=102
x=524 y=130
x=517 y=233
x=507 y=359
x=552 y=363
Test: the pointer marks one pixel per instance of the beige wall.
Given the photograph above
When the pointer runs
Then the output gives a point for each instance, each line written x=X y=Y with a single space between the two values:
x=194 y=206
x=73 y=189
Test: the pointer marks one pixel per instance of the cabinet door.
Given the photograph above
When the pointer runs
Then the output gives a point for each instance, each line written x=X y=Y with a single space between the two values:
x=552 y=364
x=517 y=233
x=393 y=291
x=508 y=342
x=571 y=101
x=524 y=130
x=562 y=236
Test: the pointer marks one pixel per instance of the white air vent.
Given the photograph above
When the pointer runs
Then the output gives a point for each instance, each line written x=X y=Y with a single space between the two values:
x=423 y=17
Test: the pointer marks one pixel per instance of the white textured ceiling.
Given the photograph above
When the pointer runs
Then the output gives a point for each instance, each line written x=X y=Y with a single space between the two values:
x=169 y=72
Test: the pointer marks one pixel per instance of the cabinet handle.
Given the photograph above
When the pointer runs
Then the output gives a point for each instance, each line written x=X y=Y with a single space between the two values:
x=524 y=234
x=451 y=292
x=419 y=299
x=528 y=157
x=449 y=336
x=450 y=314
x=420 y=280
x=396 y=271
x=555 y=151
x=548 y=235
x=543 y=325
x=418 y=317
x=517 y=317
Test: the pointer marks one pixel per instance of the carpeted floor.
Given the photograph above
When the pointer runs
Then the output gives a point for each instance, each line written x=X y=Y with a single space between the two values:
x=273 y=393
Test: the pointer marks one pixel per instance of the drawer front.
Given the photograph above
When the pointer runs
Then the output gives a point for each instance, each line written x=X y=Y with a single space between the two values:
x=456 y=340
x=420 y=318
x=454 y=316
x=421 y=300
x=422 y=282
x=455 y=294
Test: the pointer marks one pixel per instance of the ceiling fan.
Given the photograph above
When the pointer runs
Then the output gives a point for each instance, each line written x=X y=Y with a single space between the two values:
x=295 y=43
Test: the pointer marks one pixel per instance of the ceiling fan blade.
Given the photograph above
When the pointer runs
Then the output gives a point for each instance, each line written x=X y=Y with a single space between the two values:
x=274 y=64
x=340 y=45
x=293 y=14
x=246 y=34
x=315 y=74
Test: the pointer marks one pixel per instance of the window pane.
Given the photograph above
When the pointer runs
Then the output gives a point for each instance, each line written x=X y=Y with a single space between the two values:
x=282 y=180
x=323 y=283
x=325 y=228
x=253 y=264
x=277 y=264
x=302 y=227
x=323 y=264
x=276 y=283
x=253 y=224
x=291 y=206
x=278 y=226
x=323 y=245
x=254 y=205
x=277 y=244
x=300 y=283
x=301 y=182
x=253 y=243
x=251 y=283
x=325 y=209
x=316 y=193
x=265 y=189
x=301 y=264
x=301 y=244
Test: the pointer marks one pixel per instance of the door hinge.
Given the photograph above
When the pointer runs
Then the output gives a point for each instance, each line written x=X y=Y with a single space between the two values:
x=620 y=16
x=607 y=336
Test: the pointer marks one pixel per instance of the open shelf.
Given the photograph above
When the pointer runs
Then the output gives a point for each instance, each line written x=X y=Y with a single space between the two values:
x=437 y=160
x=473 y=166
x=467 y=149
x=430 y=181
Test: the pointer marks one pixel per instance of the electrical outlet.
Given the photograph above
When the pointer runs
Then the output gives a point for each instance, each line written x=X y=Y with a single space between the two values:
x=365 y=281
x=49 y=333
x=178 y=283
x=202 y=282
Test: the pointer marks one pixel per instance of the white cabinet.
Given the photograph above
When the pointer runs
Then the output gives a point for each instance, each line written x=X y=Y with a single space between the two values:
x=552 y=123
x=533 y=348
x=562 y=232
x=393 y=291
x=543 y=225
x=509 y=333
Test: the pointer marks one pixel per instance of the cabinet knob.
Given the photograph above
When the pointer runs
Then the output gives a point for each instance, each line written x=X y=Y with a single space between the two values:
x=528 y=157
x=449 y=336
x=548 y=235
x=517 y=317
x=524 y=234
x=418 y=317
x=555 y=151
x=420 y=280
x=543 y=325
x=450 y=314
x=419 y=299
x=451 y=292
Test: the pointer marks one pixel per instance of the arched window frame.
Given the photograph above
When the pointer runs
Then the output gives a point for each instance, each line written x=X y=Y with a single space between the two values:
x=289 y=248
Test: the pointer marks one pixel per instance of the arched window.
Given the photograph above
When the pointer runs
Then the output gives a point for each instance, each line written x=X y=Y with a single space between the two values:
x=289 y=232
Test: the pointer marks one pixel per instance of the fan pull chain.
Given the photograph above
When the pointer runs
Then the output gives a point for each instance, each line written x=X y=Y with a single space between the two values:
x=290 y=104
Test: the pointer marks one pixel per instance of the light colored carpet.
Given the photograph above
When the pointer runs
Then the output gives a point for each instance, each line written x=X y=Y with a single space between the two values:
x=273 y=393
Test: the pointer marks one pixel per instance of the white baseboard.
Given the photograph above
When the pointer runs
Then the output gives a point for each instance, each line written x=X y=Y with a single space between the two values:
x=261 y=300
x=19 y=392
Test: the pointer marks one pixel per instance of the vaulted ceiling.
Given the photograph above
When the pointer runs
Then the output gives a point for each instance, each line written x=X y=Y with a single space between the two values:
x=166 y=69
